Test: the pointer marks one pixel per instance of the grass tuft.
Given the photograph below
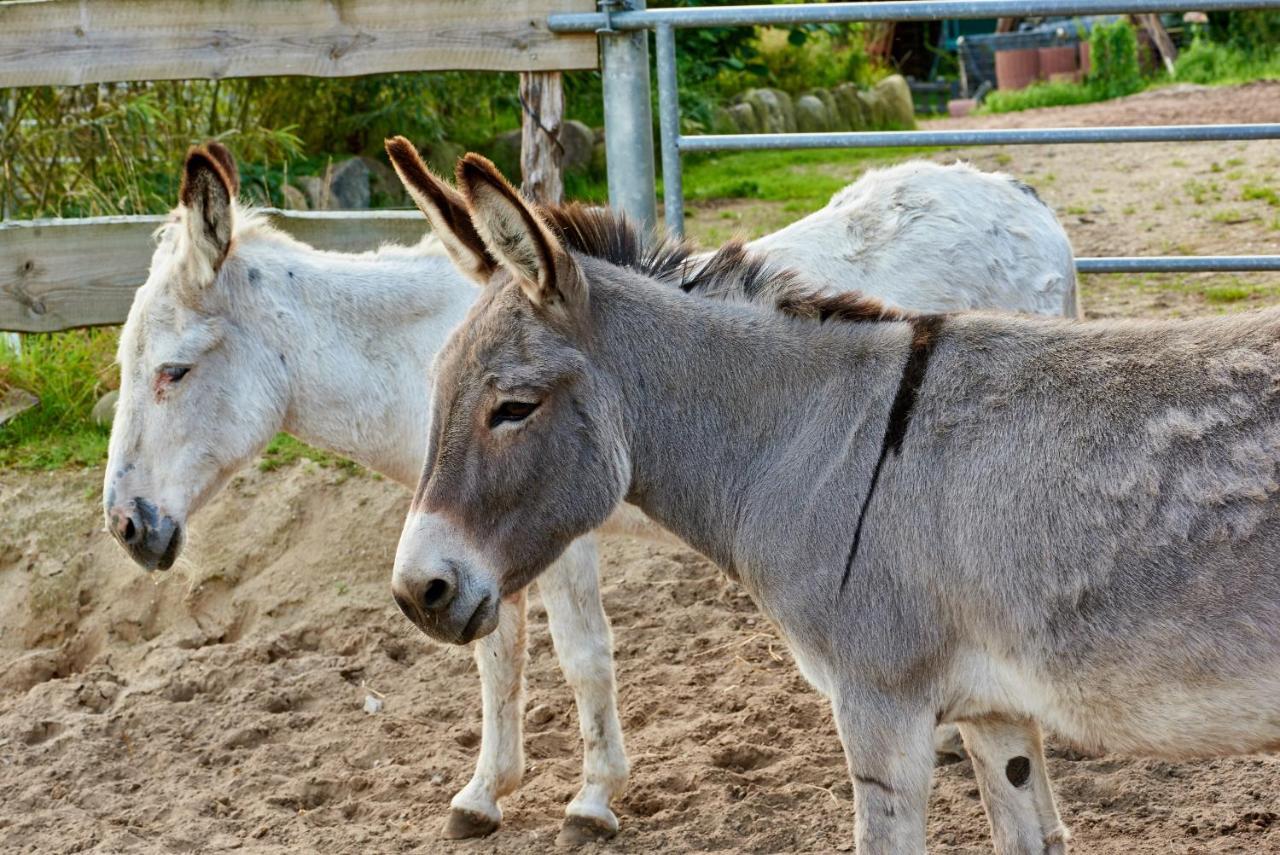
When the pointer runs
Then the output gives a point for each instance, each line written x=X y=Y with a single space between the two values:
x=68 y=371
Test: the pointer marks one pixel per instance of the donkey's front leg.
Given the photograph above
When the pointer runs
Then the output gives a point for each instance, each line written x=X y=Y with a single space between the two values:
x=1008 y=760
x=889 y=746
x=500 y=658
x=584 y=645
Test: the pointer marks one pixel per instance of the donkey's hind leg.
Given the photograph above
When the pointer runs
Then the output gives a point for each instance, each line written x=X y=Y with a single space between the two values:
x=500 y=658
x=889 y=746
x=584 y=645
x=1008 y=760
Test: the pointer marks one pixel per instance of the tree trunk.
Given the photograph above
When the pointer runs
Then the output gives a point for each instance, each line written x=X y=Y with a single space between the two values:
x=542 y=106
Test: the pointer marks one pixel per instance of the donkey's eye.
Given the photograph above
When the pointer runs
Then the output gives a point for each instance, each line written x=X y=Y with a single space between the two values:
x=512 y=411
x=173 y=373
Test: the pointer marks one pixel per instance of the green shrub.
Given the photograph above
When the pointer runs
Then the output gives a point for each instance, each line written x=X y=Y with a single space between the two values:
x=1040 y=95
x=1208 y=62
x=1113 y=59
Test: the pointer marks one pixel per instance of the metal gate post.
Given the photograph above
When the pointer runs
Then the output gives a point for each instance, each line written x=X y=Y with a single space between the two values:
x=669 y=119
x=628 y=119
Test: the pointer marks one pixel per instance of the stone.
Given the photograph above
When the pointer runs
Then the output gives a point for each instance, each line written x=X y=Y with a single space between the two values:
x=577 y=140
x=386 y=189
x=853 y=115
x=294 y=199
x=774 y=111
x=599 y=160
x=873 y=109
x=829 y=101
x=372 y=705
x=349 y=185
x=895 y=94
x=316 y=191
x=735 y=119
x=15 y=402
x=104 y=412
x=812 y=115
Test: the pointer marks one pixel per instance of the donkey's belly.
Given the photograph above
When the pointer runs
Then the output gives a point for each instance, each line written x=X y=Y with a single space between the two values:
x=1127 y=711
x=1172 y=718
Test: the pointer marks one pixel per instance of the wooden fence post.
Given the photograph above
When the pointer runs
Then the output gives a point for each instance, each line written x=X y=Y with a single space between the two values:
x=541 y=155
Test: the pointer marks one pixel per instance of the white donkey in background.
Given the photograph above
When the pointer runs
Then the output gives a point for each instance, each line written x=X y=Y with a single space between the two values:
x=241 y=332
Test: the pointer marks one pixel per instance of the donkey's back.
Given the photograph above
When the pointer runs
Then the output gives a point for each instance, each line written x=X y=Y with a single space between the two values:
x=1109 y=516
x=936 y=238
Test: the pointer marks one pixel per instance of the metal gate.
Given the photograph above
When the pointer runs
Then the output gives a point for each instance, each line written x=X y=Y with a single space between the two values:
x=623 y=26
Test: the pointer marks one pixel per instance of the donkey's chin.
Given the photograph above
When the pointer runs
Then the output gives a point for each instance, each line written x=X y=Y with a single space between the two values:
x=462 y=623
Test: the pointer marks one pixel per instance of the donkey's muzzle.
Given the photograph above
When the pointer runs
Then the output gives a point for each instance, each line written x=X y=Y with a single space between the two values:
x=435 y=602
x=150 y=539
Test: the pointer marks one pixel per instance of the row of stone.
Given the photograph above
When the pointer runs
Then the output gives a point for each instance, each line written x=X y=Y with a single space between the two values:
x=355 y=183
x=885 y=106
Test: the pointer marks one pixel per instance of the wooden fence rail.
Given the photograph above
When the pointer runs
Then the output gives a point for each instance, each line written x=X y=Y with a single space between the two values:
x=60 y=274
x=70 y=42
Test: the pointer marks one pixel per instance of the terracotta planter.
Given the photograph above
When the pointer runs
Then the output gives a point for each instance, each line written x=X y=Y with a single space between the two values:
x=1017 y=68
x=1059 y=60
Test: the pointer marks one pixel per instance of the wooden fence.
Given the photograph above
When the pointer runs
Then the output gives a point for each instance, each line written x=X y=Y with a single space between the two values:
x=60 y=274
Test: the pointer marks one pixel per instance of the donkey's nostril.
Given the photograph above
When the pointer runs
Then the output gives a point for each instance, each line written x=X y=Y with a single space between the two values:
x=129 y=532
x=437 y=595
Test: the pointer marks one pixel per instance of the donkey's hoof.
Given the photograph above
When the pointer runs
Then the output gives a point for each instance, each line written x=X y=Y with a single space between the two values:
x=462 y=824
x=578 y=830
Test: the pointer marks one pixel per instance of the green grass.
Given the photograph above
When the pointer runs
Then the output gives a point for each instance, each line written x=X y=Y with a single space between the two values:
x=1254 y=192
x=68 y=371
x=1228 y=293
x=1041 y=95
x=1212 y=63
x=284 y=450
x=804 y=180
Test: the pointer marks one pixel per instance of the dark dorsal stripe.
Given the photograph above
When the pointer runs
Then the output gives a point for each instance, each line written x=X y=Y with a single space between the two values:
x=924 y=334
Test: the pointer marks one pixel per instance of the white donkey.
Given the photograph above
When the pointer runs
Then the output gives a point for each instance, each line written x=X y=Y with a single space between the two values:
x=241 y=332
x=1003 y=522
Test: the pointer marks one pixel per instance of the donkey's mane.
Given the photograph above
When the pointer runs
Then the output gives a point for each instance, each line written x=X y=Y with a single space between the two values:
x=731 y=273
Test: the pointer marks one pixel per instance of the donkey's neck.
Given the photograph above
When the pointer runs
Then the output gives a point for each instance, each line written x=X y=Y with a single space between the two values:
x=357 y=334
x=741 y=422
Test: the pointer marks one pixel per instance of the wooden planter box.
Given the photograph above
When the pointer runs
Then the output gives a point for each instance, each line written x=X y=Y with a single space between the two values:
x=1060 y=61
x=1015 y=69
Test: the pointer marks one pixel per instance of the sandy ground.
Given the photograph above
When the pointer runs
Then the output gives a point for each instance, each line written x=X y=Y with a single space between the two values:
x=219 y=706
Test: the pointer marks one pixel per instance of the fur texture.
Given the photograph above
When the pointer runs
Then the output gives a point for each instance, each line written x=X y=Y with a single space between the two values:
x=1074 y=526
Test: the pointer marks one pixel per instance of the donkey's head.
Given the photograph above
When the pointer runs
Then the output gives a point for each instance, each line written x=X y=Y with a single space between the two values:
x=199 y=394
x=526 y=450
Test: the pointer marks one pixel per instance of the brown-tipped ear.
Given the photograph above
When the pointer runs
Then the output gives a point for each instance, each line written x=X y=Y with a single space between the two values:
x=445 y=208
x=516 y=236
x=206 y=195
x=227 y=161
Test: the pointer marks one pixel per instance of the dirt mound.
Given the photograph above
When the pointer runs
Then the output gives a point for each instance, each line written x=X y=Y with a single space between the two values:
x=220 y=706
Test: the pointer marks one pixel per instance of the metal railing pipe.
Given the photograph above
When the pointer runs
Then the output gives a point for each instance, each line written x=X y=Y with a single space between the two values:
x=628 y=122
x=1008 y=136
x=1179 y=264
x=669 y=120
x=894 y=10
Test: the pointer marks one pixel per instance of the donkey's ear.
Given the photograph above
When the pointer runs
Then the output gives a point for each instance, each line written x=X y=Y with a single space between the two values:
x=445 y=209
x=517 y=237
x=227 y=161
x=206 y=195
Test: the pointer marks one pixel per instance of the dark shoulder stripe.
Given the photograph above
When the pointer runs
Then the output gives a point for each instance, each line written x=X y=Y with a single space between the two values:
x=924 y=335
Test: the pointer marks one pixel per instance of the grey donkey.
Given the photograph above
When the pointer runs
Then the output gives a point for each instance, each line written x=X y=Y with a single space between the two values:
x=1007 y=523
